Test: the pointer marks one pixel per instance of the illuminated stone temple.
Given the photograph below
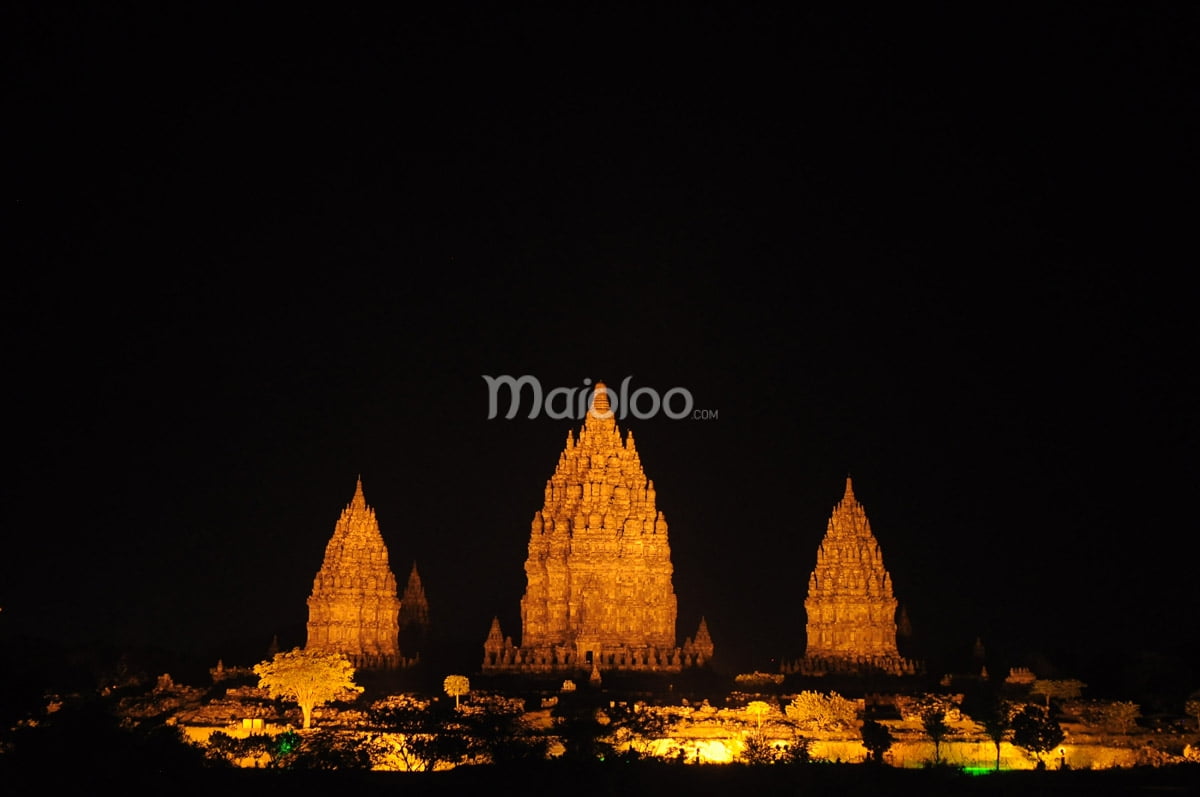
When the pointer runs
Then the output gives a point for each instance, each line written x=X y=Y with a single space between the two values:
x=599 y=594
x=851 y=607
x=353 y=608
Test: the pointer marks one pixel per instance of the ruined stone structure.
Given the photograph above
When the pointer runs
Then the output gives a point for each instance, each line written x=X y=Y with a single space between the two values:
x=599 y=594
x=851 y=608
x=414 y=616
x=353 y=608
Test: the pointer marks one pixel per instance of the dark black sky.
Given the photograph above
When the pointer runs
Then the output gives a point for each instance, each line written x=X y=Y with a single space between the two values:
x=254 y=256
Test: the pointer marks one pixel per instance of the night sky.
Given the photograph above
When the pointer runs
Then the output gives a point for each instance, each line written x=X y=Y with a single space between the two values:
x=255 y=256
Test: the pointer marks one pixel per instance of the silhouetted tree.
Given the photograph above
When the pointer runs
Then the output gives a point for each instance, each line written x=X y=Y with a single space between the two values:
x=447 y=747
x=934 y=723
x=634 y=729
x=497 y=731
x=1034 y=730
x=431 y=735
x=85 y=734
x=986 y=705
x=797 y=751
x=877 y=739
x=757 y=750
x=583 y=730
x=221 y=748
x=323 y=749
x=996 y=726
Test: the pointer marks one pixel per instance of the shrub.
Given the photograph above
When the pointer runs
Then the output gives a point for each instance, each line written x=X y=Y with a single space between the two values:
x=814 y=710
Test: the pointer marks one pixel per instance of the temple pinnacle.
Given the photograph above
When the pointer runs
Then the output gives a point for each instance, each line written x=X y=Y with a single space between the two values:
x=359 y=501
x=600 y=404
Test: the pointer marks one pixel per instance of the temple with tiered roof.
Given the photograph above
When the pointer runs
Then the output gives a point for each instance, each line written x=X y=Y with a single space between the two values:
x=354 y=609
x=850 y=605
x=599 y=591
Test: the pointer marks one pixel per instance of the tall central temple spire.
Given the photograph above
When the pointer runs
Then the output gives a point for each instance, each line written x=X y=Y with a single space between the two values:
x=599 y=592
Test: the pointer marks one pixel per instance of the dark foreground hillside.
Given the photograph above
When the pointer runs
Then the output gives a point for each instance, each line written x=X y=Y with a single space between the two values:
x=624 y=779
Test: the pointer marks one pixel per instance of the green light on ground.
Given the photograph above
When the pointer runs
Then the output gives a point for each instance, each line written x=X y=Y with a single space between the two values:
x=288 y=742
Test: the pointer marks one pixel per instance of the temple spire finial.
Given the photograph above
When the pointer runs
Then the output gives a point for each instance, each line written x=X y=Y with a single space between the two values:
x=600 y=403
x=359 y=501
x=849 y=488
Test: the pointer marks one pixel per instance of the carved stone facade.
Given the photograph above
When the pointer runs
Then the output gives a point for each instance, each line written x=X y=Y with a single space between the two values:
x=851 y=608
x=353 y=608
x=599 y=591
